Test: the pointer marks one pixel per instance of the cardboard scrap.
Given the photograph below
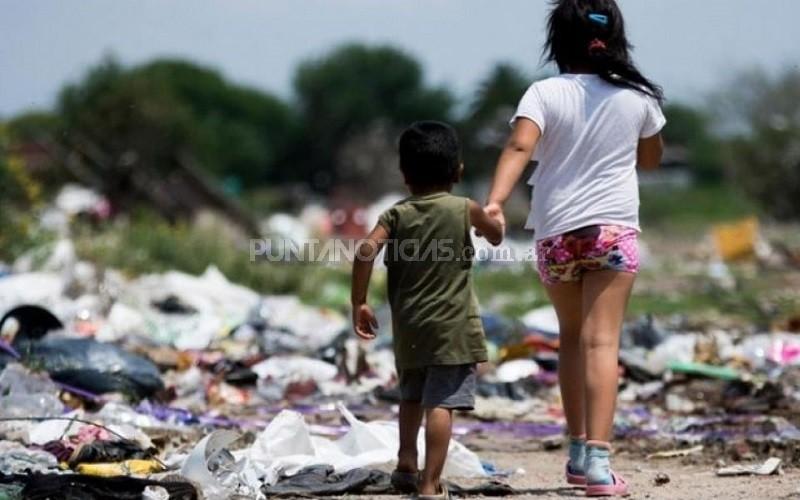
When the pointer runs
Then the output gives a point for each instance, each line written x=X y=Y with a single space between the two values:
x=676 y=453
x=771 y=466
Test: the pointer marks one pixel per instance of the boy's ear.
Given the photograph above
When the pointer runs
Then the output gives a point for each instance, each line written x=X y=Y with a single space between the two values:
x=405 y=178
x=459 y=173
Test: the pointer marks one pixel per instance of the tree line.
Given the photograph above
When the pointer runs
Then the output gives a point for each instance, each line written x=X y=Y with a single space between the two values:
x=337 y=131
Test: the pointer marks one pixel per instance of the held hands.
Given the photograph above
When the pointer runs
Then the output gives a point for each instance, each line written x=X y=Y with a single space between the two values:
x=495 y=211
x=364 y=322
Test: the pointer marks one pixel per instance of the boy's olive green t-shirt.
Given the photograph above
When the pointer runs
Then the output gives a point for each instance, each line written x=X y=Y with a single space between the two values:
x=435 y=317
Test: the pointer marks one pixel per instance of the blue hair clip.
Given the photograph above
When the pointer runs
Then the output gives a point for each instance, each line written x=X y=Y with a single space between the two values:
x=599 y=19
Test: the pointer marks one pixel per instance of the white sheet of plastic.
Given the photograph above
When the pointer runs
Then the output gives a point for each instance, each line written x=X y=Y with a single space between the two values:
x=295 y=368
x=317 y=327
x=219 y=303
x=543 y=319
x=287 y=445
x=30 y=288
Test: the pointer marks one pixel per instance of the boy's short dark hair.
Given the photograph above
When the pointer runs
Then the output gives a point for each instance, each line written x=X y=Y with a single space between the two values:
x=430 y=154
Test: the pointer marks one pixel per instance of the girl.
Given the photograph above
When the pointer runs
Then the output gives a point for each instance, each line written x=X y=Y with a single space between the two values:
x=589 y=127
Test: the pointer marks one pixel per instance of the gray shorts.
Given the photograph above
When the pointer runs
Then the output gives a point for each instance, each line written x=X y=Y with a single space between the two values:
x=441 y=386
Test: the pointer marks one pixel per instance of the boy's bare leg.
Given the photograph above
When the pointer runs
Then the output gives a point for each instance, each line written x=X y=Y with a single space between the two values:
x=605 y=297
x=410 y=420
x=438 y=429
x=567 y=299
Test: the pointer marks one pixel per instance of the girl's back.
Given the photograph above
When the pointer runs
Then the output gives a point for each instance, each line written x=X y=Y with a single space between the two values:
x=587 y=152
x=588 y=127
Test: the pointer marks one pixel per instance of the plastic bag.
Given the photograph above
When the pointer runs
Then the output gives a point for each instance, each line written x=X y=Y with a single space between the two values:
x=287 y=446
x=93 y=366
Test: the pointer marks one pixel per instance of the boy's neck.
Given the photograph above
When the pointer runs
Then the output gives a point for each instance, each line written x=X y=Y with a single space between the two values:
x=424 y=191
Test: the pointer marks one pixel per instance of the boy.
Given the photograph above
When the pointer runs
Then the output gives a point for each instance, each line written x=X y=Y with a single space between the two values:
x=438 y=337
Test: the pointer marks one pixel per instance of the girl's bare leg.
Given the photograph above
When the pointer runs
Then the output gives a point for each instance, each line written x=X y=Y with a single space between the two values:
x=605 y=297
x=567 y=299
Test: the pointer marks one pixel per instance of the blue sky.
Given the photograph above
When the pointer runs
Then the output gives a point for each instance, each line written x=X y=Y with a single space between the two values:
x=689 y=46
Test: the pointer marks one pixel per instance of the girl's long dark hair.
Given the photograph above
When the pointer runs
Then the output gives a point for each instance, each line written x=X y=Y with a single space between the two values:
x=590 y=34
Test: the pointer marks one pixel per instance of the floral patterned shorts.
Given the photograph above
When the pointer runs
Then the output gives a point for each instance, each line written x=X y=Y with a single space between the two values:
x=568 y=256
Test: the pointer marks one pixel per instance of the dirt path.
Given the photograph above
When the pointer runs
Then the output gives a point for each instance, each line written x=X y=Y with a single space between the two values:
x=543 y=479
x=690 y=482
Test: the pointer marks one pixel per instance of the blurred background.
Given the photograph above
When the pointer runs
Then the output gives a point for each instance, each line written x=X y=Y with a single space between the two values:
x=164 y=135
x=144 y=144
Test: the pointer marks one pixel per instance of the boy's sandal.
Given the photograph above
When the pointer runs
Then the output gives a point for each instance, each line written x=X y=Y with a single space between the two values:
x=574 y=479
x=405 y=482
x=619 y=488
x=444 y=495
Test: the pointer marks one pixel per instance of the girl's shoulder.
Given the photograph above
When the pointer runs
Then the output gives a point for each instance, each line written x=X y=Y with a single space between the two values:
x=566 y=83
x=551 y=82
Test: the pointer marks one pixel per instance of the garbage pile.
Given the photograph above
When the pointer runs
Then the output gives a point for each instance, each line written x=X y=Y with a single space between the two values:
x=177 y=386
x=171 y=385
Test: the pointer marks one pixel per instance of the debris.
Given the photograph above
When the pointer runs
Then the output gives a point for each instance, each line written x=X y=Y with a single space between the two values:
x=704 y=370
x=92 y=366
x=518 y=369
x=736 y=240
x=771 y=466
x=247 y=395
x=543 y=320
x=661 y=479
x=17 y=459
x=676 y=453
x=321 y=480
x=125 y=468
x=85 y=487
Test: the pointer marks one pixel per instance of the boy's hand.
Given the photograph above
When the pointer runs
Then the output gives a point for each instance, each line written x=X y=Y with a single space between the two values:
x=485 y=225
x=364 y=322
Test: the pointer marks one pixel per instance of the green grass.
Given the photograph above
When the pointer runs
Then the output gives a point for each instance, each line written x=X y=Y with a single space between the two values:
x=691 y=211
x=145 y=244
x=510 y=291
x=148 y=245
x=19 y=233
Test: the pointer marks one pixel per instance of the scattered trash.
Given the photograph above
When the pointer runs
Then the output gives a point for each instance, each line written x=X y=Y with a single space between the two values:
x=676 y=453
x=17 y=459
x=125 y=468
x=736 y=240
x=92 y=366
x=511 y=371
x=321 y=480
x=661 y=479
x=704 y=370
x=543 y=320
x=171 y=385
x=771 y=466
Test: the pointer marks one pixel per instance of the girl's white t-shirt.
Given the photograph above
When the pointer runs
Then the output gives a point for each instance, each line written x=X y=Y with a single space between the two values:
x=587 y=153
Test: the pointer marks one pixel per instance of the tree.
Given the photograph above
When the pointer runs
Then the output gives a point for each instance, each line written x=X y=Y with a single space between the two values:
x=765 y=152
x=238 y=131
x=18 y=194
x=150 y=114
x=485 y=128
x=359 y=94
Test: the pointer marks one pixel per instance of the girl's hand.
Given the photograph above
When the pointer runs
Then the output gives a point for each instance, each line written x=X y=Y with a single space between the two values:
x=495 y=212
x=364 y=322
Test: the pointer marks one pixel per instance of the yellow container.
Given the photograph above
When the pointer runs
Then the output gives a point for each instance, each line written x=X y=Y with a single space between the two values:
x=126 y=468
x=736 y=240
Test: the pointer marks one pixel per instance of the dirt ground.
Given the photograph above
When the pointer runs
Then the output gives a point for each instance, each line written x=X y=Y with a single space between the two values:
x=543 y=478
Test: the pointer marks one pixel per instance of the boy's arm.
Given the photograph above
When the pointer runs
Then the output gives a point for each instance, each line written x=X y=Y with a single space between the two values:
x=364 y=322
x=489 y=228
